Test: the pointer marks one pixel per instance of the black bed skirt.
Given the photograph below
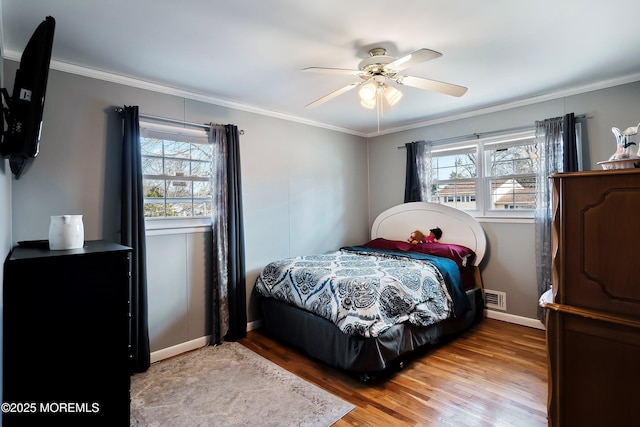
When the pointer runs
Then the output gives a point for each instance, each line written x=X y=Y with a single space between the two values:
x=322 y=340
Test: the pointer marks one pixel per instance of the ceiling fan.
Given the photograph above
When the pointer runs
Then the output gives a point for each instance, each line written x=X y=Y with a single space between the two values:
x=375 y=70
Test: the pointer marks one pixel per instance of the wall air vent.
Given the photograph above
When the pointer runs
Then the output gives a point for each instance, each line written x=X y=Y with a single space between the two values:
x=495 y=299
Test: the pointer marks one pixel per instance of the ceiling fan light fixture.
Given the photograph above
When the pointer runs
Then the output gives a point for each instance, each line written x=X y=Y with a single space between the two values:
x=392 y=95
x=369 y=104
x=368 y=92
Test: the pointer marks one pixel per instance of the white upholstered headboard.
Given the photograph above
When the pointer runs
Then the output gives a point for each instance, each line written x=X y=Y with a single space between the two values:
x=458 y=227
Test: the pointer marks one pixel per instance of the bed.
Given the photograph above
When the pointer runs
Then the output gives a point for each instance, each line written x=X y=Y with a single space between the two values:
x=366 y=308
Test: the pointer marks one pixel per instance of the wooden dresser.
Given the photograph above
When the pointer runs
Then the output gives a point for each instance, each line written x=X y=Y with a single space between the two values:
x=593 y=321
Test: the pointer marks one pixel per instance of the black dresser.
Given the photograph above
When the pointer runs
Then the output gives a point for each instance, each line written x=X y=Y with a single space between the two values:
x=66 y=336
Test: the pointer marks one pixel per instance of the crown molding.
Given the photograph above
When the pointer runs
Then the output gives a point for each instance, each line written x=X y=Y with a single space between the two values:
x=154 y=87
x=517 y=103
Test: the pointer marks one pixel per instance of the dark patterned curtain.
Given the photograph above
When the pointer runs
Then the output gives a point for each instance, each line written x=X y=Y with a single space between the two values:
x=228 y=293
x=132 y=234
x=557 y=152
x=418 y=172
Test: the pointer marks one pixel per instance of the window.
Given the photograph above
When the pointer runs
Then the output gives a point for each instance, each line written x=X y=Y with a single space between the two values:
x=176 y=168
x=454 y=173
x=512 y=167
x=490 y=176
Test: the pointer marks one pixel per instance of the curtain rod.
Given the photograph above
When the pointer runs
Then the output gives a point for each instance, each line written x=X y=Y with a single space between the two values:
x=490 y=133
x=175 y=121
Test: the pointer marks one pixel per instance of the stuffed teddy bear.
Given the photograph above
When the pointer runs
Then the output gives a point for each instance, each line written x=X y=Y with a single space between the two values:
x=416 y=237
x=419 y=237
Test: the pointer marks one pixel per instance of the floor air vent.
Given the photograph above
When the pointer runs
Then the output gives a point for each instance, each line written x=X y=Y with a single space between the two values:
x=495 y=299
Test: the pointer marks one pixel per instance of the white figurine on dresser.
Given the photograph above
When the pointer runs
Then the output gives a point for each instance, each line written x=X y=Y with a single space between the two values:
x=627 y=154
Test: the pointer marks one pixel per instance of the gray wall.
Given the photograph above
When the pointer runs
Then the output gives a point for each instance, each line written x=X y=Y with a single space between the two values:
x=510 y=263
x=304 y=188
x=178 y=272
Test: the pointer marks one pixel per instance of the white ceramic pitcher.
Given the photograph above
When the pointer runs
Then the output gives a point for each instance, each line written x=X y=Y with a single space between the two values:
x=66 y=232
x=626 y=143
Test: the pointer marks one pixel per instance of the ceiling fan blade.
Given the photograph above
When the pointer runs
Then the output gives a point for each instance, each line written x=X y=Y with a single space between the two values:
x=433 y=85
x=333 y=95
x=420 y=55
x=332 y=71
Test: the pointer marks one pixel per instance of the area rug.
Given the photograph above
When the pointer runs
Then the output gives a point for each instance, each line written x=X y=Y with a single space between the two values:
x=228 y=385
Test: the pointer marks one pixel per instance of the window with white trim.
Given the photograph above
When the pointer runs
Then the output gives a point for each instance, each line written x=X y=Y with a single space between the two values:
x=454 y=175
x=176 y=168
x=488 y=176
x=511 y=173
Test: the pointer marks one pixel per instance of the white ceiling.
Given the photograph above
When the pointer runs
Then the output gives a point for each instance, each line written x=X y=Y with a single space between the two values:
x=248 y=54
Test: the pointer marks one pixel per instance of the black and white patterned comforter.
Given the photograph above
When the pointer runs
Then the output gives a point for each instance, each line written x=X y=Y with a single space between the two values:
x=362 y=292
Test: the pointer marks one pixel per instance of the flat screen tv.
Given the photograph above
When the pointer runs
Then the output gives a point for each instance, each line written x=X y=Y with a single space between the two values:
x=23 y=110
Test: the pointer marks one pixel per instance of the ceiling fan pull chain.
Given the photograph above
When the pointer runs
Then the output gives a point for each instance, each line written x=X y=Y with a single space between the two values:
x=379 y=106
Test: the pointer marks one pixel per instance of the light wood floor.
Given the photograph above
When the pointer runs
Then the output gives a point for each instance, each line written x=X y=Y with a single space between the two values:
x=493 y=375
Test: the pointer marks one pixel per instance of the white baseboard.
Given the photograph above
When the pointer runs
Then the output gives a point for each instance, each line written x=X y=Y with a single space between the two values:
x=512 y=318
x=175 y=350
x=254 y=325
